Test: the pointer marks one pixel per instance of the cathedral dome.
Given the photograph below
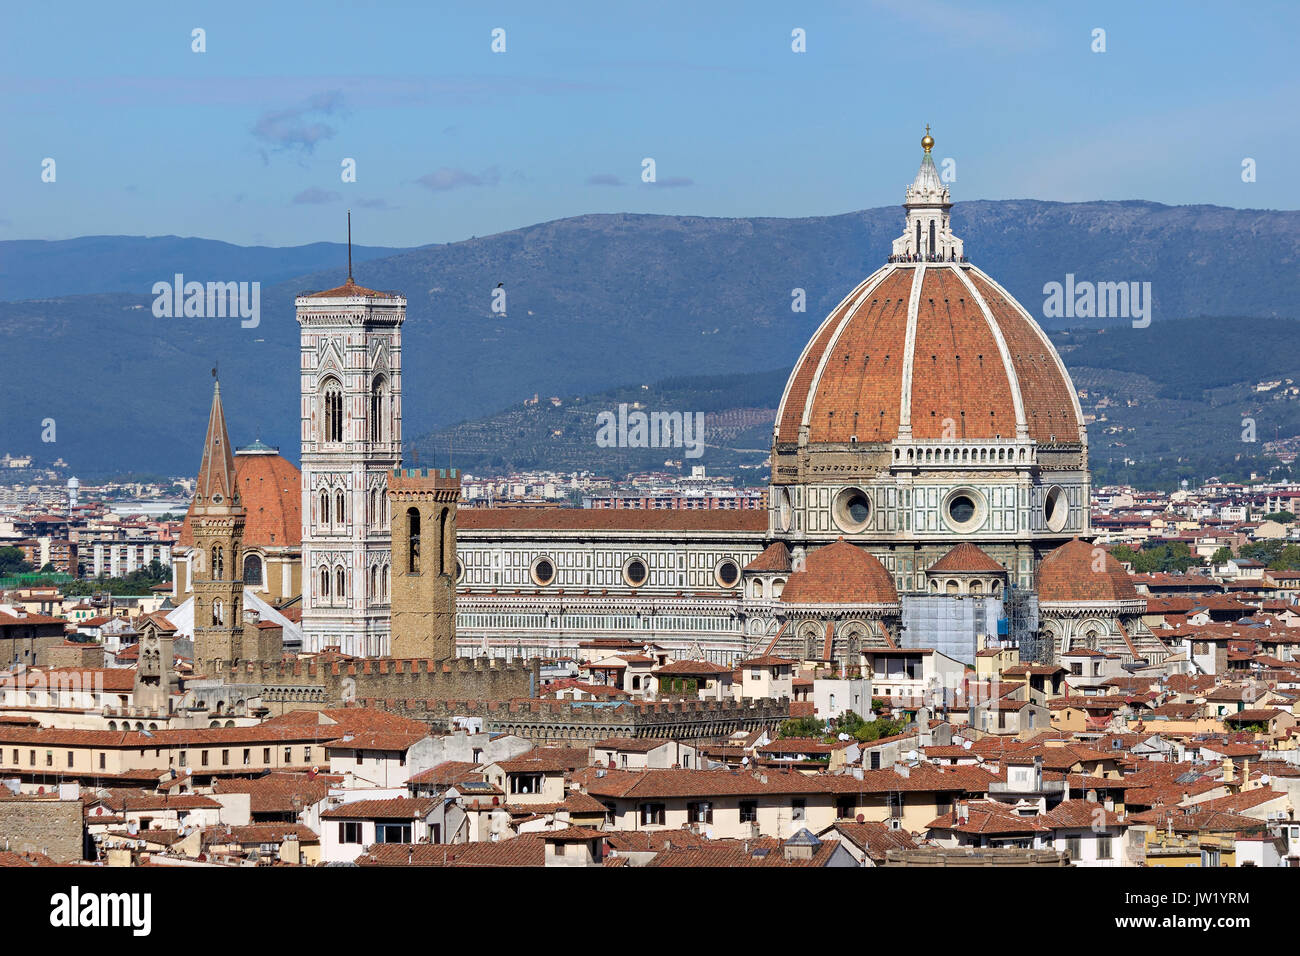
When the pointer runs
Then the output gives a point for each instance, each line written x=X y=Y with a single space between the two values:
x=270 y=491
x=928 y=348
x=840 y=573
x=1070 y=574
x=929 y=351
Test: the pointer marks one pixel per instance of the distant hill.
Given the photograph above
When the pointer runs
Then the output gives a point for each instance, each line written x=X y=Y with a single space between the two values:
x=1169 y=402
x=593 y=303
x=37 y=268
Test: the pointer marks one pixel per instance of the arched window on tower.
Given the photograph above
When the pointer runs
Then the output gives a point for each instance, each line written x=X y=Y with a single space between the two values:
x=218 y=563
x=932 y=246
x=340 y=584
x=332 y=410
x=385 y=595
x=413 y=540
x=442 y=539
x=218 y=612
x=379 y=409
x=340 y=507
x=918 y=236
x=324 y=585
x=324 y=507
x=373 y=594
x=253 y=570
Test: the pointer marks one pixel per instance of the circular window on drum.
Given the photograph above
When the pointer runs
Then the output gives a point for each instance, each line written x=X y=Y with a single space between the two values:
x=852 y=510
x=635 y=572
x=964 y=509
x=727 y=573
x=460 y=571
x=543 y=571
x=1056 y=508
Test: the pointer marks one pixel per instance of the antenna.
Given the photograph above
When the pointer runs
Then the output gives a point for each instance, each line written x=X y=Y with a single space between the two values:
x=349 y=245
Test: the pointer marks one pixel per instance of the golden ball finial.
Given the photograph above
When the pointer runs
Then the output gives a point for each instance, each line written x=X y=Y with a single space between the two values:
x=927 y=141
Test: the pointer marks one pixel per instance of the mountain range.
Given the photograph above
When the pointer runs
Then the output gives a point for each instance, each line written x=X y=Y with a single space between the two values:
x=593 y=303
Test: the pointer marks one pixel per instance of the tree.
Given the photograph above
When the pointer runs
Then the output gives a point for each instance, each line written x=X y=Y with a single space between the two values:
x=1221 y=556
x=1284 y=517
x=801 y=727
x=13 y=562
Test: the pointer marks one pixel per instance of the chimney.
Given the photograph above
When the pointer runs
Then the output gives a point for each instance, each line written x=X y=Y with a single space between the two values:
x=1227 y=770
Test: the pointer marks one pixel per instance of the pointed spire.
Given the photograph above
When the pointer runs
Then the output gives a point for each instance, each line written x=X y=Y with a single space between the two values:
x=350 y=247
x=216 y=483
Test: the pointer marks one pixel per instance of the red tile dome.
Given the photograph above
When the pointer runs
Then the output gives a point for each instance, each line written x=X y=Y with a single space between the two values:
x=937 y=350
x=1070 y=573
x=840 y=573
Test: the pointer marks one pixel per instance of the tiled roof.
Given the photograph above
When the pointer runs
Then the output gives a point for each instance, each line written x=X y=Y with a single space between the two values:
x=525 y=850
x=1069 y=574
x=775 y=557
x=966 y=557
x=840 y=573
x=349 y=289
x=398 y=808
x=849 y=381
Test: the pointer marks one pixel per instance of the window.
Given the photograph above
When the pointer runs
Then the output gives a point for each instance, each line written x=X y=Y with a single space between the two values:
x=378 y=406
x=324 y=584
x=225 y=758
x=1104 y=847
x=525 y=783
x=875 y=760
x=798 y=809
x=69 y=758
x=247 y=756
x=340 y=507
x=559 y=849
x=49 y=758
x=288 y=755
x=748 y=811
x=392 y=833
x=635 y=573
x=700 y=812
x=349 y=831
x=101 y=761
x=203 y=759
x=253 y=570
x=332 y=398
x=1074 y=847
x=266 y=755
x=306 y=754
x=340 y=583
x=324 y=507
x=652 y=814
x=413 y=540
x=896 y=805
x=218 y=563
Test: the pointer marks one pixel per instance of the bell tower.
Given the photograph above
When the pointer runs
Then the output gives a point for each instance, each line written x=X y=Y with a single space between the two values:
x=218 y=523
x=351 y=430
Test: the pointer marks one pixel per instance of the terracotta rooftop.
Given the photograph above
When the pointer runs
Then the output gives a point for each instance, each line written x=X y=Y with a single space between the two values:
x=840 y=573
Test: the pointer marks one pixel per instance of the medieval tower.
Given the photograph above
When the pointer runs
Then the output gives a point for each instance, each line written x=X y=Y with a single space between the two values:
x=423 y=506
x=351 y=424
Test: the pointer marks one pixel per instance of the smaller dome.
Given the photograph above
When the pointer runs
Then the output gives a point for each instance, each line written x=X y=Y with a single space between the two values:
x=966 y=558
x=1070 y=573
x=840 y=573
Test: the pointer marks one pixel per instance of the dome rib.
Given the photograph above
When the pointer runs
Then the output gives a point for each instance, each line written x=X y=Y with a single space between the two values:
x=1022 y=423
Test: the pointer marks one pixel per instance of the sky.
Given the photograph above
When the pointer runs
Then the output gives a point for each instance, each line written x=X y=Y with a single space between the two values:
x=246 y=141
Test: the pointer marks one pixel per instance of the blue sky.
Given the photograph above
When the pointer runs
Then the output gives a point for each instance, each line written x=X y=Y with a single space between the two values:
x=244 y=142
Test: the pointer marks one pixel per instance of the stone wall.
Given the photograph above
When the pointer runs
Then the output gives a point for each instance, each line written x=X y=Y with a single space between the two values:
x=561 y=721
x=42 y=825
x=457 y=678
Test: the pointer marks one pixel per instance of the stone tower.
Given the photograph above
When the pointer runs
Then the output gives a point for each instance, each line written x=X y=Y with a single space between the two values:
x=423 y=504
x=351 y=414
x=218 y=521
x=154 y=676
